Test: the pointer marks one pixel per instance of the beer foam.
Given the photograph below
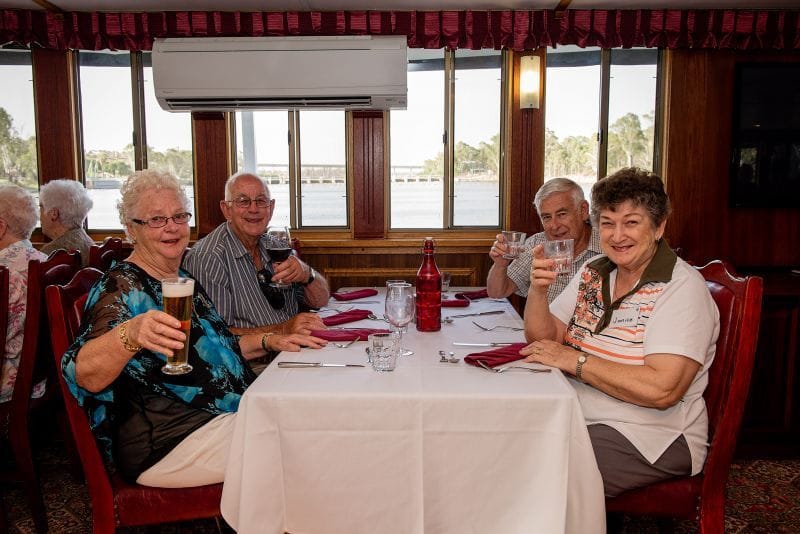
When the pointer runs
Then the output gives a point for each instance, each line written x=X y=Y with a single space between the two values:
x=174 y=289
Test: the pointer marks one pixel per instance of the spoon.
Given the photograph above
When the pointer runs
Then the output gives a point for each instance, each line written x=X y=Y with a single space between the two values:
x=447 y=320
x=346 y=344
x=376 y=318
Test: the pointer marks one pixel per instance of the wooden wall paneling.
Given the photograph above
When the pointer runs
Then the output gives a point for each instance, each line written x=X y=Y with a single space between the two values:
x=526 y=151
x=368 y=175
x=698 y=126
x=212 y=166
x=57 y=139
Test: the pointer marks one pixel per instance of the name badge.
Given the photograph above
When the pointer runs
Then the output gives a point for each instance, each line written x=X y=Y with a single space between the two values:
x=627 y=318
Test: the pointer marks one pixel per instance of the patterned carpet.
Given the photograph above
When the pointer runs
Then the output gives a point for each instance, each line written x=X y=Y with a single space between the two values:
x=763 y=497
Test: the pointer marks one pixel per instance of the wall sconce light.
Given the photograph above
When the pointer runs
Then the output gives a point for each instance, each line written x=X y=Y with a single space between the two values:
x=529 y=77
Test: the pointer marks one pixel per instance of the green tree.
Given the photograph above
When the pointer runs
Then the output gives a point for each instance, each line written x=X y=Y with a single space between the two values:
x=627 y=139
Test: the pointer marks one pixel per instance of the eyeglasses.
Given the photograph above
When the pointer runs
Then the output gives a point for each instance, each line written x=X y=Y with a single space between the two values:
x=159 y=221
x=245 y=202
x=274 y=295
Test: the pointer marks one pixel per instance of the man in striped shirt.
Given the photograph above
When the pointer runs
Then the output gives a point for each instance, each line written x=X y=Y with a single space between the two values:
x=565 y=215
x=233 y=265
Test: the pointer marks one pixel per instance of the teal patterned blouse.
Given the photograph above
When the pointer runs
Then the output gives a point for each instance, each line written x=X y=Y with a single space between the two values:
x=219 y=377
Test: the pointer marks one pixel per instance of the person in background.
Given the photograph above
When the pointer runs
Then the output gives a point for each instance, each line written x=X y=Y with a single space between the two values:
x=233 y=264
x=64 y=205
x=160 y=430
x=564 y=214
x=637 y=328
x=17 y=221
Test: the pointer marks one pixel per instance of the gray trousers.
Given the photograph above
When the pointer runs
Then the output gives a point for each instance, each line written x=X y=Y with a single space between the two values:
x=624 y=468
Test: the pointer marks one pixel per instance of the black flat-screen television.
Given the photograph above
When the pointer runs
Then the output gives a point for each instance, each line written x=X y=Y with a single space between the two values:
x=765 y=159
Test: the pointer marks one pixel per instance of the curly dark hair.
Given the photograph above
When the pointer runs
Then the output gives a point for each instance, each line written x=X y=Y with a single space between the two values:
x=640 y=187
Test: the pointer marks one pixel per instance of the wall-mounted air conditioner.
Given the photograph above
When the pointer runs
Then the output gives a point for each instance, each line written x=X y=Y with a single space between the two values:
x=248 y=73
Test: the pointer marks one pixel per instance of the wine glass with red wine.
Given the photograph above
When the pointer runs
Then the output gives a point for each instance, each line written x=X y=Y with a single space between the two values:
x=279 y=246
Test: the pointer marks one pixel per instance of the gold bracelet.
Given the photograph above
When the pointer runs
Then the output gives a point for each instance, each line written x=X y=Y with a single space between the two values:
x=123 y=337
x=264 y=340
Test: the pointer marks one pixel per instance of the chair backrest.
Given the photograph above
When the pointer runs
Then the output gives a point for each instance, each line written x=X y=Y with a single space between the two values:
x=102 y=256
x=739 y=303
x=65 y=308
x=57 y=269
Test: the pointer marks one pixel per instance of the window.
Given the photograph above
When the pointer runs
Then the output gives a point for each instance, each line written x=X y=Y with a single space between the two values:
x=18 y=163
x=445 y=157
x=110 y=127
x=582 y=141
x=302 y=156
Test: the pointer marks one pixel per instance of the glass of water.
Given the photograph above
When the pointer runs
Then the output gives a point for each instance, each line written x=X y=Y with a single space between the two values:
x=400 y=309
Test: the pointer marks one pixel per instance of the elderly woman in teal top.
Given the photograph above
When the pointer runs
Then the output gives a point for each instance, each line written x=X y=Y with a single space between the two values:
x=160 y=430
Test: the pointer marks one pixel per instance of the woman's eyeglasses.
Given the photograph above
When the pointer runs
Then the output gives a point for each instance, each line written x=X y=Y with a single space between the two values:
x=245 y=202
x=274 y=296
x=159 y=221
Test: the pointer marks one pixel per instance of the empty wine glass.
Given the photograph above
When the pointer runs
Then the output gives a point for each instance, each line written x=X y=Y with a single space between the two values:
x=400 y=310
x=279 y=246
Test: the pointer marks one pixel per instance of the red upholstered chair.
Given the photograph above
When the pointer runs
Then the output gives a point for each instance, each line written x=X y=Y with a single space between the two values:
x=115 y=502
x=102 y=256
x=34 y=365
x=702 y=497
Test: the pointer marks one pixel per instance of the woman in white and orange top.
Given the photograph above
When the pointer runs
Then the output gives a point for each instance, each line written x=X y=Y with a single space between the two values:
x=637 y=329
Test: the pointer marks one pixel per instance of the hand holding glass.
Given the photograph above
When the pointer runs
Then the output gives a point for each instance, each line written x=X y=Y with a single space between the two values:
x=177 y=295
x=560 y=251
x=515 y=242
x=400 y=309
x=279 y=246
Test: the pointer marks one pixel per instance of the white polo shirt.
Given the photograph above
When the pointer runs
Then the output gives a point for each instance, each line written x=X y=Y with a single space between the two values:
x=670 y=311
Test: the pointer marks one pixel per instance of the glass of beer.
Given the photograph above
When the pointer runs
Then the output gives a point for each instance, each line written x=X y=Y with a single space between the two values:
x=177 y=293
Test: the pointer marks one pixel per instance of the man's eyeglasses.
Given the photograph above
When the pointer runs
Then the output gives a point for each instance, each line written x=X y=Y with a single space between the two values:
x=274 y=295
x=244 y=202
x=159 y=221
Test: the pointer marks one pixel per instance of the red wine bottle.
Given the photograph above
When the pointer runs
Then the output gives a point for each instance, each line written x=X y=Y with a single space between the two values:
x=429 y=291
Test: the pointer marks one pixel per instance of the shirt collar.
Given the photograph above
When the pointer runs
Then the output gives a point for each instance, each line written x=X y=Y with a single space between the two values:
x=658 y=270
x=237 y=248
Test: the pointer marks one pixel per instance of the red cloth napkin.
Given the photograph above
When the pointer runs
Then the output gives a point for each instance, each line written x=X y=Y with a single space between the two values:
x=497 y=356
x=357 y=294
x=473 y=295
x=359 y=334
x=455 y=303
x=345 y=317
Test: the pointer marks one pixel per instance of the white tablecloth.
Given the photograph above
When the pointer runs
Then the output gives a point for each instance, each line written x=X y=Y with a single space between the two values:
x=431 y=447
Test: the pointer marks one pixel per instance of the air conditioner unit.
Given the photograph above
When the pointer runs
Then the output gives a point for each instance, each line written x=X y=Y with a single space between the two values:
x=250 y=73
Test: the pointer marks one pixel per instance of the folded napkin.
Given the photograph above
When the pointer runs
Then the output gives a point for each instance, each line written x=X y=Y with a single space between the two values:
x=356 y=294
x=498 y=356
x=455 y=303
x=473 y=295
x=345 y=317
x=359 y=334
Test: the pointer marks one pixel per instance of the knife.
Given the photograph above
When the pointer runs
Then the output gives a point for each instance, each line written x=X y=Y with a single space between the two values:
x=493 y=312
x=317 y=364
x=481 y=344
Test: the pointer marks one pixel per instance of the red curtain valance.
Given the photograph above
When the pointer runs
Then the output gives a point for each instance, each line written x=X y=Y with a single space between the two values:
x=517 y=30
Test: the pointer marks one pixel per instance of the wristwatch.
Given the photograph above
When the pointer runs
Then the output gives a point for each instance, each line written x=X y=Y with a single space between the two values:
x=311 y=278
x=581 y=360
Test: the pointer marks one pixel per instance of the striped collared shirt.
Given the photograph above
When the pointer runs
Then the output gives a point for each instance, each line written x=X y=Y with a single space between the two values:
x=519 y=271
x=225 y=269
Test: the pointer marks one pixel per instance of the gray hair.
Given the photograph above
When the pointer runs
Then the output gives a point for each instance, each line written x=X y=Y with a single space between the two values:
x=69 y=197
x=18 y=210
x=558 y=185
x=235 y=178
x=141 y=182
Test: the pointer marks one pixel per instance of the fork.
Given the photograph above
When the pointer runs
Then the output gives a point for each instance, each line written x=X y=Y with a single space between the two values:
x=489 y=329
x=346 y=344
x=376 y=318
x=508 y=367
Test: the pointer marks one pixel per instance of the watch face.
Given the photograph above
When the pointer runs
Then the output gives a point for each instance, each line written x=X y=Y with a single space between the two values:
x=582 y=358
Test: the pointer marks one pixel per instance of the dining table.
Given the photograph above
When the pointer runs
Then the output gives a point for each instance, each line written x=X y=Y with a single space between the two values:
x=432 y=447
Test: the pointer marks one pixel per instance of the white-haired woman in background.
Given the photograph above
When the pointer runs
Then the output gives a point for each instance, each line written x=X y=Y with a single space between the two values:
x=17 y=221
x=64 y=206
